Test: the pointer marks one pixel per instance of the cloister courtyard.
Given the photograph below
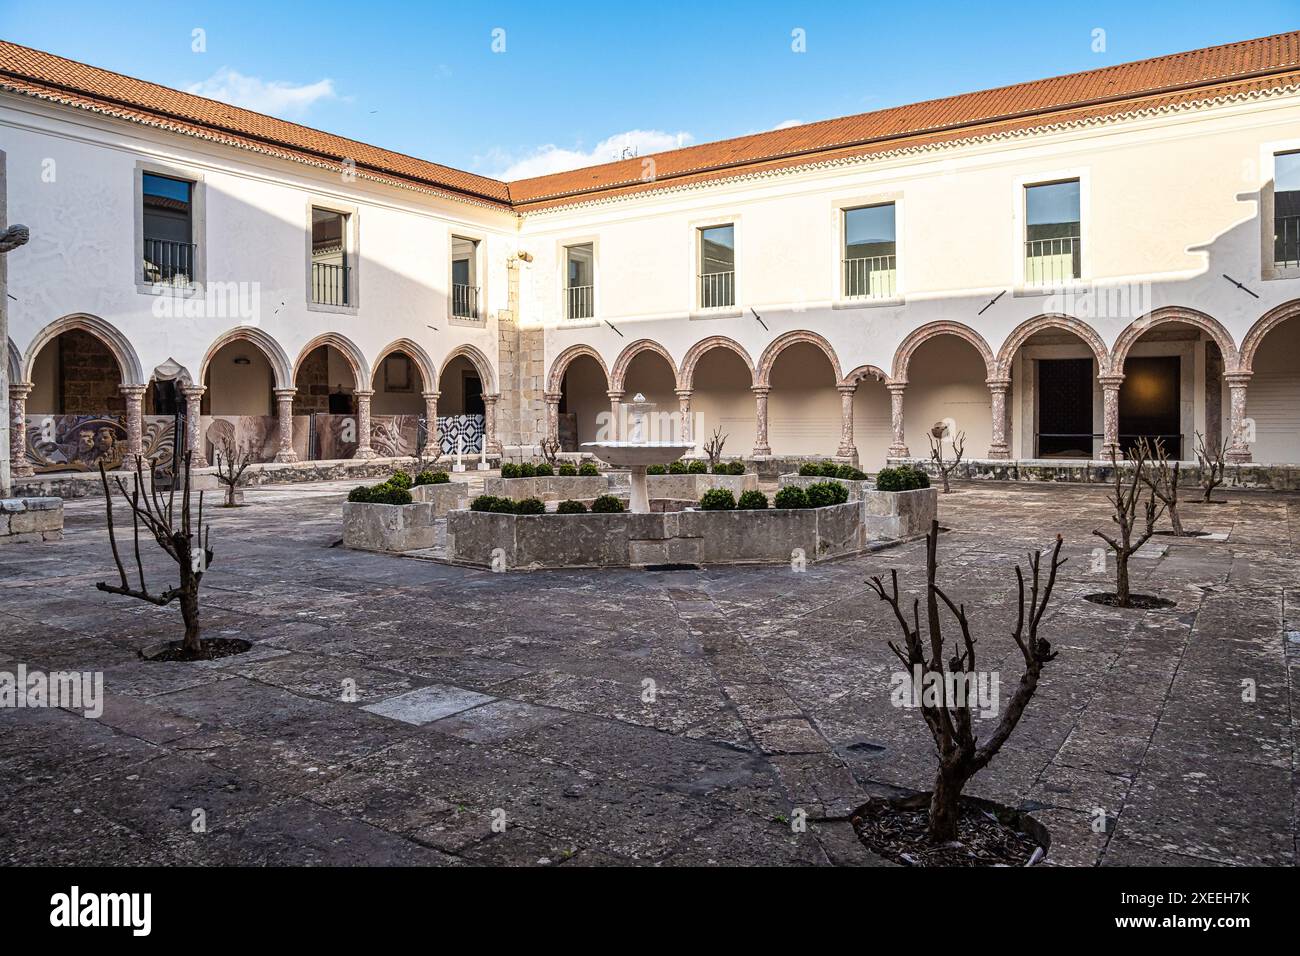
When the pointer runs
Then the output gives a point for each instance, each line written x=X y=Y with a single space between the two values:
x=395 y=710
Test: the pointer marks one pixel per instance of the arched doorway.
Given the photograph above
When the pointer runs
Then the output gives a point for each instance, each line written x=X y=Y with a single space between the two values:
x=1056 y=405
x=327 y=378
x=1273 y=396
x=584 y=409
x=803 y=407
x=653 y=376
x=75 y=412
x=239 y=401
x=721 y=381
x=947 y=382
x=872 y=431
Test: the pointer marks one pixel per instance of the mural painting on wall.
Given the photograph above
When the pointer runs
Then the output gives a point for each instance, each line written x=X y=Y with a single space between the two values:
x=82 y=442
x=466 y=427
x=395 y=436
x=260 y=433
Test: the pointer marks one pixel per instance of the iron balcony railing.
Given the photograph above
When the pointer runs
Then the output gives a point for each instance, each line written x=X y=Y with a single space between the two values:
x=717 y=290
x=330 y=284
x=464 y=301
x=1286 y=242
x=580 y=301
x=168 y=261
x=874 y=277
x=1052 y=261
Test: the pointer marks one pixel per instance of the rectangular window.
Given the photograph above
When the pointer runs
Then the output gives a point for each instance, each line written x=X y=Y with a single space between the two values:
x=580 y=281
x=1286 y=210
x=1052 y=245
x=330 y=273
x=870 y=252
x=717 y=264
x=464 y=278
x=168 y=217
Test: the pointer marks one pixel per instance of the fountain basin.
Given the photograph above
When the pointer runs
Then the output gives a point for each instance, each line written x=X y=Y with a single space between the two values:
x=636 y=456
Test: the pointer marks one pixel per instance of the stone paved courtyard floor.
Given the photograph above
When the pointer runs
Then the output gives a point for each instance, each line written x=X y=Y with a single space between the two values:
x=524 y=696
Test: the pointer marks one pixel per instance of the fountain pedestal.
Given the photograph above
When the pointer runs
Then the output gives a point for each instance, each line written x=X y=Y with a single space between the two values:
x=636 y=454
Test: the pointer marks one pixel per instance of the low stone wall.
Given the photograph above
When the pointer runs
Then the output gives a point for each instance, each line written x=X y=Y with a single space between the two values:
x=370 y=527
x=1249 y=476
x=70 y=484
x=684 y=487
x=693 y=487
x=25 y=520
x=857 y=489
x=445 y=497
x=554 y=488
x=773 y=536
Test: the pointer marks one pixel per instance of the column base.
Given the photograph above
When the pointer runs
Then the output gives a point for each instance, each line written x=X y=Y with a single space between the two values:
x=431 y=452
x=899 y=451
x=847 y=451
x=762 y=452
x=21 y=471
x=286 y=458
x=999 y=451
x=365 y=454
x=1238 y=456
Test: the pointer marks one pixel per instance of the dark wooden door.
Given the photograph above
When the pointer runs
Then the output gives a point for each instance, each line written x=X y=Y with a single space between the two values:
x=1065 y=408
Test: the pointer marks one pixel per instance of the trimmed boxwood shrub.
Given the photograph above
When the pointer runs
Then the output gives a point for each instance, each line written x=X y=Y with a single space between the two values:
x=509 y=470
x=567 y=471
x=607 y=505
x=400 y=479
x=545 y=471
x=656 y=470
x=588 y=469
x=826 y=493
x=718 y=499
x=697 y=467
x=810 y=469
x=791 y=496
x=493 y=504
x=528 y=470
x=752 y=500
x=360 y=493
x=530 y=506
x=677 y=468
x=902 y=478
x=571 y=507
x=849 y=473
x=427 y=477
x=380 y=494
x=729 y=468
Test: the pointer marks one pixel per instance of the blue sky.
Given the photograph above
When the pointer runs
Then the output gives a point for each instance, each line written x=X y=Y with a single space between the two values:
x=577 y=82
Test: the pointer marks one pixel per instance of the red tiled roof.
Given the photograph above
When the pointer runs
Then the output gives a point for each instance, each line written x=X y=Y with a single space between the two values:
x=1247 y=66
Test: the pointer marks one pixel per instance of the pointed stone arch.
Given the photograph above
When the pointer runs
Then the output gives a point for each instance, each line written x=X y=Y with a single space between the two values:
x=783 y=342
x=345 y=347
x=428 y=371
x=14 y=362
x=128 y=362
x=1265 y=324
x=1173 y=314
x=686 y=374
x=624 y=360
x=865 y=371
x=919 y=336
x=268 y=346
x=1051 y=320
x=555 y=380
x=475 y=357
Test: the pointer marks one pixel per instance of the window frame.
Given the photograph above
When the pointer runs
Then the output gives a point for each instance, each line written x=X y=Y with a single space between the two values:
x=696 y=253
x=480 y=276
x=198 y=227
x=563 y=246
x=351 y=255
x=1020 y=207
x=1269 y=152
x=839 y=239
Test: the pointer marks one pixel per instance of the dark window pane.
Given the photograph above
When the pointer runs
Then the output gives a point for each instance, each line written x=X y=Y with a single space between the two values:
x=1052 y=210
x=718 y=249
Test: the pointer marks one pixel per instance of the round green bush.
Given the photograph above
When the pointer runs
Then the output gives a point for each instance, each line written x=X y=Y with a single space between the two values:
x=607 y=505
x=571 y=507
x=656 y=470
x=718 y=499
x=545 y=471
x=849 y=473
x=440 y=478
x=791 y=496
x=830 y=469
x=729 y=468
x=493 y=504
x=528 y=470
x=589 y=469
x=530 y=506
x=752 y=500
x=810 y=469
x=360 y=493
x=902 y=478
x=424 y=478
x=509 y=470
x=567 y=470
x=400 y=479
x=389 y=495
x=826 y=493
x=698 y=467
x=677 y=468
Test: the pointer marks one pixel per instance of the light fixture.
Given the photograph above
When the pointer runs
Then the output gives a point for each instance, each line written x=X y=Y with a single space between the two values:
x=242 y=360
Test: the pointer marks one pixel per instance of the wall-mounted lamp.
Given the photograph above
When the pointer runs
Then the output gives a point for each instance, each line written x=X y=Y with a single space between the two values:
x=243 y=360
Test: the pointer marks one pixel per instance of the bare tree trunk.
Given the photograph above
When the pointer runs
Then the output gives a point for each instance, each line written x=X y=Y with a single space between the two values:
x=230 y=496
x=946 y=488
x=1175 y=521
x=945 y=804
x=1121 y=579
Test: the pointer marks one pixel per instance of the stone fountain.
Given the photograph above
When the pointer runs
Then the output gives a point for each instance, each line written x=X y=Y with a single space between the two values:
x=636 y=454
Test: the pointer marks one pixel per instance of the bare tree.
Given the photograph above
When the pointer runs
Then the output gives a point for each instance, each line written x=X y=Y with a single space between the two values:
x=1213 y=462
x=233 y=459
x=1162 y=478
x=1126 y=502
x=945 y=466
x=949 y=716
x=182 y=537
x=713 y=447
x=550 y=449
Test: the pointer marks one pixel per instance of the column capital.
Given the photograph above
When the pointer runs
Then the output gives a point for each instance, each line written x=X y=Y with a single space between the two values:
x=684 y=392
x=431 y=396
x=284 y=393
x=1237 y=379
x=845 y=388
x=998 y=384
x=491 y=398
x=20 y=390
x=365 y=393
x=133 y=391
x=615 y=396
x=898 y=388
x=554 y=397
x=762 y=390
x=1111 y=379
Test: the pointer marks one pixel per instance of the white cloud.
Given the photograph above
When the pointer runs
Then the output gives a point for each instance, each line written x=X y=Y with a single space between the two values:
x=265 y=96
x=553 y=159
x=786 y=124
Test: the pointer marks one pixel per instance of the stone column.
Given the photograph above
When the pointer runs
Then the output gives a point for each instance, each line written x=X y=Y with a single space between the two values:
x=847 y=448
x=194 y=423
x=490 y=444
x=432 y=446
x=998 y=387
x=615 y=399
x=1239 y=450
x=364 y=451
x=553 y=415
x=20 y=466
x=761 y=448
x=284 y=408
x=1110 y=415
x=898 y=448
x=134 y=397
x=684 y=403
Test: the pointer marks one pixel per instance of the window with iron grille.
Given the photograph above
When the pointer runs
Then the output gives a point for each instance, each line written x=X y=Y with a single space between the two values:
x=1286 y=210
x=717 y=267
x=870 y=254
x=1052 y=233
x=330 y=272
x=168 y=217
x=464 y=278
x=580 y=281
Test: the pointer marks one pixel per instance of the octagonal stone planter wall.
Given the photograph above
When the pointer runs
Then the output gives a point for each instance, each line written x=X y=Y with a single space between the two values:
x=693 y=487
x=857 y=489
x=899 y=515
x=554 y=488
x=445 y=497
x=370 y=527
